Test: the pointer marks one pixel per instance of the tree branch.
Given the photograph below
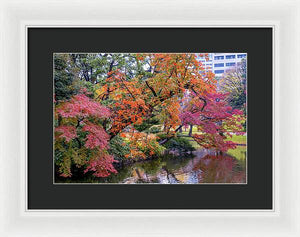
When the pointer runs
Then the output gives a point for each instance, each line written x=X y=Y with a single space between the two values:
x=204 y=100
x=151 y=88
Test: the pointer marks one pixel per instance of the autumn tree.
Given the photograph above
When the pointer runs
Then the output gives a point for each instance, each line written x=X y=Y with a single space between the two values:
x=216 y=120
x=80 y=137
x=156 y=93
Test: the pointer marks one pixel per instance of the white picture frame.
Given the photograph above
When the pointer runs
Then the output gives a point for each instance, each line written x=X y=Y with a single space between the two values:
x=282 y=15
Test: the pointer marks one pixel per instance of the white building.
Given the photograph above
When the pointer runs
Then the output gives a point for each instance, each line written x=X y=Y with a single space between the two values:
x=219 y=63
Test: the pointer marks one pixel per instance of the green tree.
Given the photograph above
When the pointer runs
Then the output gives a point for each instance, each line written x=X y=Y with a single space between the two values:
x=234 y=83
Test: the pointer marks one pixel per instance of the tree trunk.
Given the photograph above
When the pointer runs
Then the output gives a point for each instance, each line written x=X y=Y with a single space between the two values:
x=191 y=130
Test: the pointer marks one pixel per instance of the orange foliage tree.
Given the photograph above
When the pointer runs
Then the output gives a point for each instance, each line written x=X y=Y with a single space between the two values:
x=142 y=97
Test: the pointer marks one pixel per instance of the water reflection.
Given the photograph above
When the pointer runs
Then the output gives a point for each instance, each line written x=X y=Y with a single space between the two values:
x=203 y=166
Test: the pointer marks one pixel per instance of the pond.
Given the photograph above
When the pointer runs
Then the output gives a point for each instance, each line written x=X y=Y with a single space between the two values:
x=201 y=166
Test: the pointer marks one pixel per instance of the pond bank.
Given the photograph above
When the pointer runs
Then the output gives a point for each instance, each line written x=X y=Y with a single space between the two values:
x=199 y=166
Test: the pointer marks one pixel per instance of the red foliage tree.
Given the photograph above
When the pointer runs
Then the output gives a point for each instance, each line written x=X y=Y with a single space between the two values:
x=80 y=120
x=216 y=120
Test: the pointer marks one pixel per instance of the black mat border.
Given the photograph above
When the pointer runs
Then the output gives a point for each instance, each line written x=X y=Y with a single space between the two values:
x=43 y=42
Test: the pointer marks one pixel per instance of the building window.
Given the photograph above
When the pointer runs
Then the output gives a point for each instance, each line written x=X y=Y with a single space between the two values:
x=242 y=55
x=230 y=56
x=219 y=57
x=219 y=64
x=219 y=71
x=230 y=64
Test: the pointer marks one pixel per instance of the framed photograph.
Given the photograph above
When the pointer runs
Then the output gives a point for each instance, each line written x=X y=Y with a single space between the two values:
x=148 y=117
x=149 y=124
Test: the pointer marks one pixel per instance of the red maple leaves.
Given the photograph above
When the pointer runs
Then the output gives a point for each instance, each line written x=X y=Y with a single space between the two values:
x=78 y=115
x=82 y=106
x=96 y=138
x=67 y=132
x=101 y=165
x=217 y=121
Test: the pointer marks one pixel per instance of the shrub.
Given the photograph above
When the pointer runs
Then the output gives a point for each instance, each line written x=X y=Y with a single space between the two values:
x=155 y=129
x=118 y=148
x=178 y=143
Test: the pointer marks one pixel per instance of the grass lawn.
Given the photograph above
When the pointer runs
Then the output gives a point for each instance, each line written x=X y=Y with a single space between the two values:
x=240 y=139
x=239 y=152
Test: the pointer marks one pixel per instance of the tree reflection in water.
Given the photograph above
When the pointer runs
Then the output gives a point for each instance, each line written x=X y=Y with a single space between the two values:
x=220 y=169
x=204 y=168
